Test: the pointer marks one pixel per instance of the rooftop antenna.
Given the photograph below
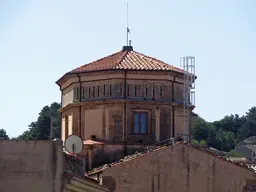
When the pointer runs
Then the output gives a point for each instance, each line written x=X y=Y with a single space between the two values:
x=127 y=28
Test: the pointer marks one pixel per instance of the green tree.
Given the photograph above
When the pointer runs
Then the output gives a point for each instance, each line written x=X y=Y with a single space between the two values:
x=249 y=127
x=225 y=140
x=231 y=123
x=225 y=133
x=200 y=129
x=3 y=135
x=40 y=129
x=56 y=119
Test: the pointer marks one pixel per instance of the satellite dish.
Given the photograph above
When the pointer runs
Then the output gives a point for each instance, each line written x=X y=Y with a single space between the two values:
x=73 y=144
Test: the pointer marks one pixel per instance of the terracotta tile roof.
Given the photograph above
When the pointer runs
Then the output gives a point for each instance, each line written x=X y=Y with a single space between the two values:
x=127 y=60
x=139 y=154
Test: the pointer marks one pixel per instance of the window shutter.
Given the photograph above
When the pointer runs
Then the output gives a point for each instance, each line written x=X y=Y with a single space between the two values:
x=143 y=90
x=149 y=91
x=82 y=94
x=157 y=91
x=121 y=90
x=98 y=91
x=115 y=90
x=106 y=90
x=75 y=93
x=139 y=91
x=131 y=90
x=78 y=93
x=175 y=93
x=101 y=91
x=91 y=92
x=166 y=92
x=179 y=94
x=86 y=93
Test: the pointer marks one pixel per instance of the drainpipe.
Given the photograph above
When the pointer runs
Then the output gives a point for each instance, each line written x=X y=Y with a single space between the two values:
x=80 y=107
x=61 y=100
x=125 y=115
x=173 y=116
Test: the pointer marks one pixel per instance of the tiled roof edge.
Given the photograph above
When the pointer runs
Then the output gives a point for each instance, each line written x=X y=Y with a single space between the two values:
x=137 y=154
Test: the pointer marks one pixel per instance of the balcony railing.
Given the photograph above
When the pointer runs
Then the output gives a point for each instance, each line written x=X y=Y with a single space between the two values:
x=163 y=100
x=158 y=93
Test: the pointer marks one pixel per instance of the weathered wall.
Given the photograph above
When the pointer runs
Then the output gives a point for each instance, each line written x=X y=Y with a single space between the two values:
x=166 y=123
x=67 y=96
x=28 y=166
x=106 y=121
x=115 y=123
x=93 y=123
x=74 y=112
x=104 y=154
x=108 y=153
x=178 y=168
x=145 y=90
x=179 y=121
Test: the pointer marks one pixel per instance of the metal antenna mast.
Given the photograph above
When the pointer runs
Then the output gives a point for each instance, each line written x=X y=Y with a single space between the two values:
x=188 y=64
x=127 y=27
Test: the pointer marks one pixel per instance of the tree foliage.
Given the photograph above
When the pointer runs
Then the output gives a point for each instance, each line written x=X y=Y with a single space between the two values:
x=225 y=133
x=3 y=135
x=40 y=129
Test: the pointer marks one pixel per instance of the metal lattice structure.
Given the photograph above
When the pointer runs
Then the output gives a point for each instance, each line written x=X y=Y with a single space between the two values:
x=188 y=64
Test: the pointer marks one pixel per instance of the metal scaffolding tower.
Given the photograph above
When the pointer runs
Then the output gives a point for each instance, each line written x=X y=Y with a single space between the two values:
x=188 y=64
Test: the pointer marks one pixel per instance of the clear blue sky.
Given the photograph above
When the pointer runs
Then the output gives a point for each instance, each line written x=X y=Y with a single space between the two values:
x=41 y=40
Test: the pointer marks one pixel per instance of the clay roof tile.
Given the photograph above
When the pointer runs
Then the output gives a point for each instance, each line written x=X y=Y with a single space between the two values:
x=126 y=60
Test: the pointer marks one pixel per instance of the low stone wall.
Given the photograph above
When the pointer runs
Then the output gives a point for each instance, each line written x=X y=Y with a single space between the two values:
x=28 y=166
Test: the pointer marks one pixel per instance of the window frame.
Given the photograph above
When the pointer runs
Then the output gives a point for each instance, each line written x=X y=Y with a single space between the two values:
x=148 y=125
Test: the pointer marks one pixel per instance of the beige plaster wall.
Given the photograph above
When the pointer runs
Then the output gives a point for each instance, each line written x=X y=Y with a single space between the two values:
x=178 y=168
x=28 y=166
x=67 y=96
x=106 y=121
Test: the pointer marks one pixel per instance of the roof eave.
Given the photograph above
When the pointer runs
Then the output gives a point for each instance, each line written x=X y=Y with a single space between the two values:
x=62 y=77
x=71 y=73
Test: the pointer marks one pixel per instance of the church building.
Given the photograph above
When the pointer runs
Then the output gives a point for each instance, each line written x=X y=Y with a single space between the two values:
x=125 y=100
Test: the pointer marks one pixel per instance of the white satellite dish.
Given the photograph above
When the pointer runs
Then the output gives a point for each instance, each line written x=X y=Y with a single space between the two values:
x=74 y=144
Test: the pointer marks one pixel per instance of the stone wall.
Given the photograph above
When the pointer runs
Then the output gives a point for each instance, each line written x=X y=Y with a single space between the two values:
x=166 y=123
x=148 y=90
x=115 y=122
x=28 y=166
x=177 y=168
x=106 y=121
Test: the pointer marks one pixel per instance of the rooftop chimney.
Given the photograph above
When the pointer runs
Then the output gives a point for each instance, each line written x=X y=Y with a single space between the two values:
x=127 y=48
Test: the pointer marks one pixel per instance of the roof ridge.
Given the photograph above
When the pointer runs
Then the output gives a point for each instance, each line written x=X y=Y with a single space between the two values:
x=122 y=58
